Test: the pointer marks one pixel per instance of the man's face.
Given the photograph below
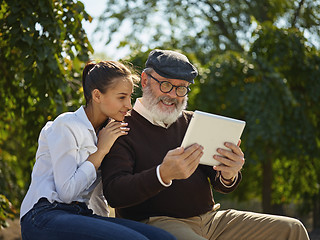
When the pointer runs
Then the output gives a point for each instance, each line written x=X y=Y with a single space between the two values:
x=165 y=107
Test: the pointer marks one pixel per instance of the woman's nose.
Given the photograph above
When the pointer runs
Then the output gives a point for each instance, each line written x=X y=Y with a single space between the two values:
x=128 y=104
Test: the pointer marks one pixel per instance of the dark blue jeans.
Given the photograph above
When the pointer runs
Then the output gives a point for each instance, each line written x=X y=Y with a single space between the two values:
x=58 y=221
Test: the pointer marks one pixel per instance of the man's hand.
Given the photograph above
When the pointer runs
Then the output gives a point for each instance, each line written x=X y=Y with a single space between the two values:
x=180 y=163
x=232 y=160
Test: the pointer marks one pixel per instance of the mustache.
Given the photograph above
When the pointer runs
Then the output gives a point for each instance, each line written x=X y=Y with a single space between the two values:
x=168 y=100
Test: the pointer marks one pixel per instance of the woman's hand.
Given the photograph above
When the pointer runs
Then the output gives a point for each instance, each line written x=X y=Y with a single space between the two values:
x=106 y=138
x=109 y=134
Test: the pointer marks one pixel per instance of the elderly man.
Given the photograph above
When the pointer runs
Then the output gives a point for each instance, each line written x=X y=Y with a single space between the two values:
x=148 y=177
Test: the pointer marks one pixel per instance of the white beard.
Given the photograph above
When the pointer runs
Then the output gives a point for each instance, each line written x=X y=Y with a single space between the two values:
x=151 y=103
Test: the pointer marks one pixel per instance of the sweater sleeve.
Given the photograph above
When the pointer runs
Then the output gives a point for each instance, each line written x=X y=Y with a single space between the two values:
x=122 y=185
x=215 y=180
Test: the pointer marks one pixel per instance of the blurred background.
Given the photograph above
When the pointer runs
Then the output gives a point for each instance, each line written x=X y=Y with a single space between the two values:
x=258 y=61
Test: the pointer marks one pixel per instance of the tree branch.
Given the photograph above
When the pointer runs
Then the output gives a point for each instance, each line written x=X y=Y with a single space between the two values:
x=297 y=13
x=222 y=25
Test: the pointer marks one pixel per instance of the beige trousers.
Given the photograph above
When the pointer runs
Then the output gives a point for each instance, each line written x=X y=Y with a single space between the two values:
x=232 y=224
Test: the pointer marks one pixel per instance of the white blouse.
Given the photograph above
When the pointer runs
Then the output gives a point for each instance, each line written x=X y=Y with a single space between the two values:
x=61 y=172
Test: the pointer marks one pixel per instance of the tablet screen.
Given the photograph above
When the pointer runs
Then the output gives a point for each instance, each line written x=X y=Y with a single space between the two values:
x=212 y=131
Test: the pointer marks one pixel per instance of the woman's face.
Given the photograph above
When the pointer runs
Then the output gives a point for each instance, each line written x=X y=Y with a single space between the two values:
x=116 y=101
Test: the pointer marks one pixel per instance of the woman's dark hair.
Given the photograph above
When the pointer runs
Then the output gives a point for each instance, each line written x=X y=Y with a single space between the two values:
x=103 y=75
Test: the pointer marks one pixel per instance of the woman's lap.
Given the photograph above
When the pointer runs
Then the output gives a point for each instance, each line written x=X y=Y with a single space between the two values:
x=62 y=221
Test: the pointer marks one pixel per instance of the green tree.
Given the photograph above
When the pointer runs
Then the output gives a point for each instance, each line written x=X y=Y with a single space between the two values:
x=279 y=103
x=203 y=27
x=258 y=61
x=42 y=50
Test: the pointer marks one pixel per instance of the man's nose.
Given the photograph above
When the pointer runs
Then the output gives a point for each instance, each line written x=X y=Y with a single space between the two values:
x=172 y=93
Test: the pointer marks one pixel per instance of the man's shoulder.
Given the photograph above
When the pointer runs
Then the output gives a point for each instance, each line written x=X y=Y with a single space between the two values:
x=131 y=115
x=186 y=115
x=134 y=116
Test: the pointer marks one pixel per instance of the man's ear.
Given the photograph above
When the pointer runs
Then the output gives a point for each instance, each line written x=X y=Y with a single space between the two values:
x=144 y=79
x=96 y=95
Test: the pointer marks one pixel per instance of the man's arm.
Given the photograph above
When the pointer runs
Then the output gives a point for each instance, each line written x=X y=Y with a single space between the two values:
x=124 y=187
x=216 y=182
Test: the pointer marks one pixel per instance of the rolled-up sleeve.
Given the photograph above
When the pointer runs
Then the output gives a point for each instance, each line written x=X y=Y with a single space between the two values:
x=72 y=175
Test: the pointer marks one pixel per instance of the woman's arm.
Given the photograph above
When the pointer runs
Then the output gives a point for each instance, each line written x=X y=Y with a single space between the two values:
x=71 y=172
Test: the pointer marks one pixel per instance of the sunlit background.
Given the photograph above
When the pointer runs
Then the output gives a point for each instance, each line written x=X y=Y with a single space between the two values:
x=95 y=9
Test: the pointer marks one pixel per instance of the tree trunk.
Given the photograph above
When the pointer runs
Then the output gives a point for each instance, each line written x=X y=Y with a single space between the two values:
x=278 y=209
x=266 y=185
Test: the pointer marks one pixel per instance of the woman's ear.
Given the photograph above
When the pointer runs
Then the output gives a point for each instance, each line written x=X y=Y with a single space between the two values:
x=144 y=79
x=96 y=96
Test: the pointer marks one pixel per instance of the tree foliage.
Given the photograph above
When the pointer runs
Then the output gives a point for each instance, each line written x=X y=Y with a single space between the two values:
x=6 y=211
x=258 y=61
x=204 y=27
x=42 y=49
x=281 y=116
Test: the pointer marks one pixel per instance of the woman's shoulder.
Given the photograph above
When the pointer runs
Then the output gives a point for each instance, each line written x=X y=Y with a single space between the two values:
x=67 y=121
x=67 y=118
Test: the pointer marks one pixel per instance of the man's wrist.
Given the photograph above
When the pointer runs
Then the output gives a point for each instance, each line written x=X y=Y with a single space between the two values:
x=160 y=178
x=228 y=182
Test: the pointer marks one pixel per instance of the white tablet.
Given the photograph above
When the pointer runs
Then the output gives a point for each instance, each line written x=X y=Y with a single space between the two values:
x=212 y=131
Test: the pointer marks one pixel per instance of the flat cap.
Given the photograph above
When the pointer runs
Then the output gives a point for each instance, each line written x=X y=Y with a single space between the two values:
x=170 y=64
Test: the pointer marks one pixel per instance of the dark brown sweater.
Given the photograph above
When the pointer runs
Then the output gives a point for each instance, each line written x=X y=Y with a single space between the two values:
x=129 y=176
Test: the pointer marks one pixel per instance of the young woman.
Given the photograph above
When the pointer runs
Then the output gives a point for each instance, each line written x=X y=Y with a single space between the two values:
x=70 y=151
